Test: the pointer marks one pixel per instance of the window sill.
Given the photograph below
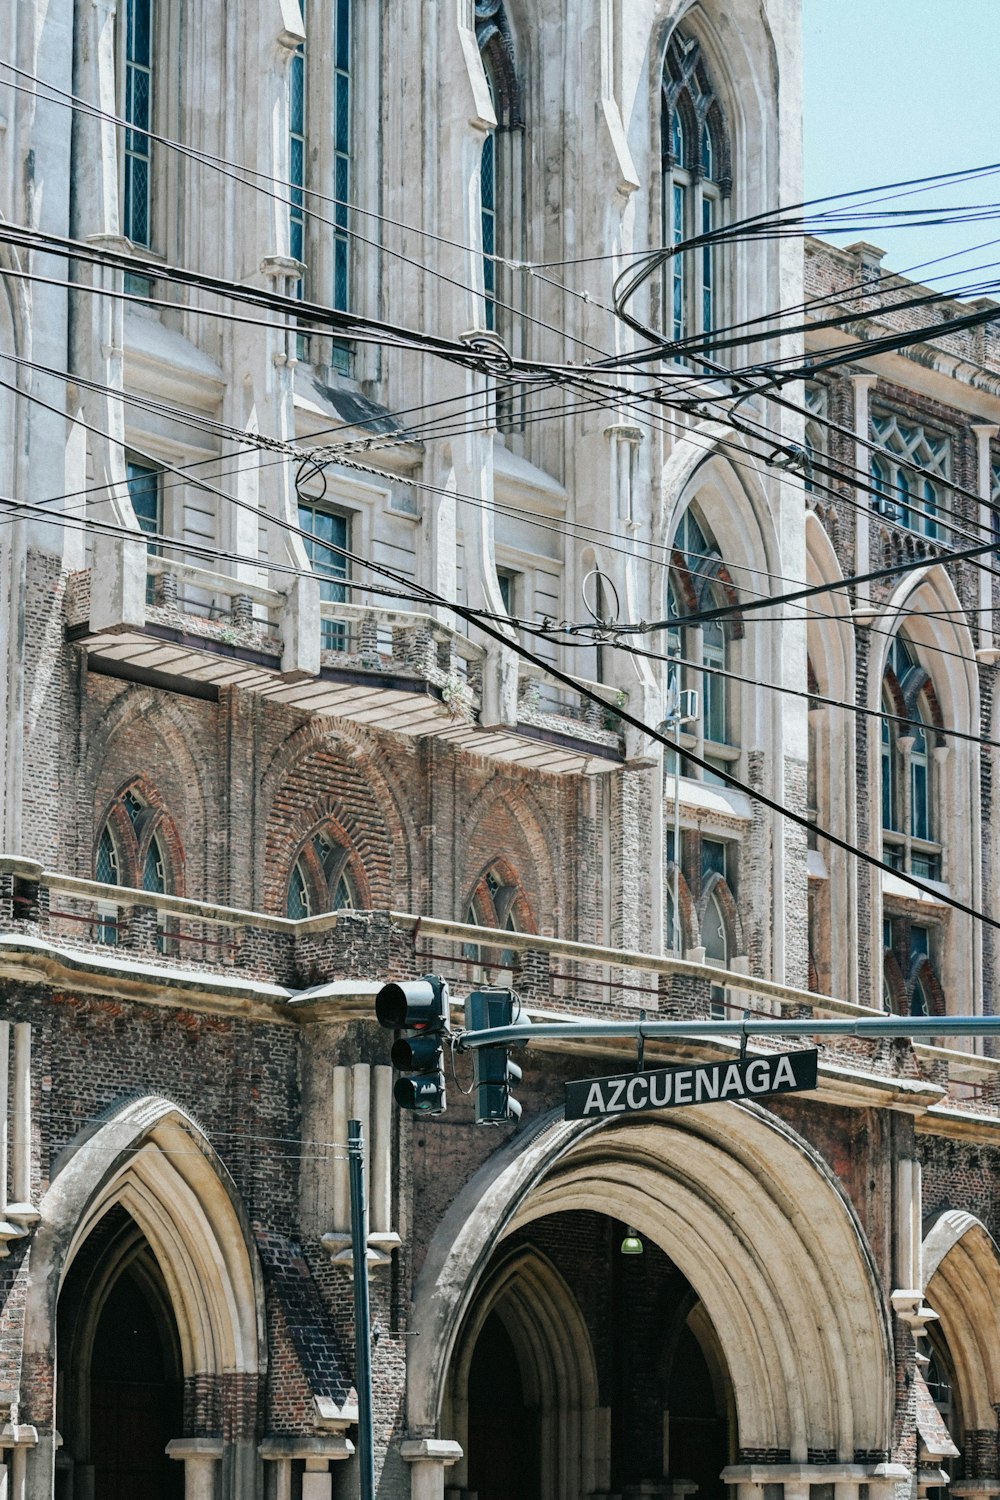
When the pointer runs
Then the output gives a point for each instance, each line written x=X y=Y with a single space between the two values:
x=898 y=886
x=703 y=796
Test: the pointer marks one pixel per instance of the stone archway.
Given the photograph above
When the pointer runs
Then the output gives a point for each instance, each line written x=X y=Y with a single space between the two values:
x=961 y=1266
x=151 y=1167
x=551 y=1344
x=758 y=1225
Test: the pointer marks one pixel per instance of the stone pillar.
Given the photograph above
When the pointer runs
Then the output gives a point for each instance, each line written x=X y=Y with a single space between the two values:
x=20 y=1208
x=200 y=1457
x=985 y=431
x=317 y=1453
x=18 y=1439
x=429 y=1457
x=862 y=431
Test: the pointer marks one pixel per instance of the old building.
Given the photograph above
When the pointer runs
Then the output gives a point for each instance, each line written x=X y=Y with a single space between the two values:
x=255 y=765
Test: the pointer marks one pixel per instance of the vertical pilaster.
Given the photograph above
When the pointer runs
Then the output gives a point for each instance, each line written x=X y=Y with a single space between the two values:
x=985 y=432
x=862 y=384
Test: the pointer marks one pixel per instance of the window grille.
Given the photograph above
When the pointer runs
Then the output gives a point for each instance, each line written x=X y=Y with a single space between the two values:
x=914 y=501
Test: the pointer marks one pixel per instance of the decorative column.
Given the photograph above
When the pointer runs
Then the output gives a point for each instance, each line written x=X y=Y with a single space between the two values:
x=862 y=384
x=362 y=1092
x=200 y=1457
x=429 y=1457
x=16 y=1212
x=985 y=432
x=18 y=1439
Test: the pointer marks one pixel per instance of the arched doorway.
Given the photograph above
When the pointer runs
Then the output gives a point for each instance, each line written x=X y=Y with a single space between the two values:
x=142 y=1228
x=582 y=1369
x=718 y=1193
x=503 y=1450
x=120 y=1391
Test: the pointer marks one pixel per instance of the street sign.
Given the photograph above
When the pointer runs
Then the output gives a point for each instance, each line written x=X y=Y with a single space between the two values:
x=698 y=1083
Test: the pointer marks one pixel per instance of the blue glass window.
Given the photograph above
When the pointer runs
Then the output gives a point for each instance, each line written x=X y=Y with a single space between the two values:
x=487 y=179
x=707 y=267
x=154 y=868
x=297 y=157
x=679 y=262
x=144 y=492
x=138 y=115
x=343 y=156
x=328 y=531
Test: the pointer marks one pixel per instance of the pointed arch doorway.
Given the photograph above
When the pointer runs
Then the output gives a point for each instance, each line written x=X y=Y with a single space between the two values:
x=145 y=1281
x=121 y=1386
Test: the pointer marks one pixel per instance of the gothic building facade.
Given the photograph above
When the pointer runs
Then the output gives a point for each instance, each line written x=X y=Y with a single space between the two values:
x=257 y=762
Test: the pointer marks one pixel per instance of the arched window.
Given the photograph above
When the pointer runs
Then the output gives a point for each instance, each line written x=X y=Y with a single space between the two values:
x=501 y=175
x=497 y=901
x=134 y=849
x=910 y=984
x=138 y=83
x=909 y=820
x=913 y=500
x=321 y=878
x=321 y=160
x=696 y=187
x=699 y=580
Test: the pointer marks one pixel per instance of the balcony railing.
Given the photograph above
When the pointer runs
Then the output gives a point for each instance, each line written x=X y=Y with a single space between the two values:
x=103 y=935
x=402 y=670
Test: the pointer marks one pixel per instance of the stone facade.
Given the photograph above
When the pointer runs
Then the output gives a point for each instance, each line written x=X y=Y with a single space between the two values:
x=255 y=765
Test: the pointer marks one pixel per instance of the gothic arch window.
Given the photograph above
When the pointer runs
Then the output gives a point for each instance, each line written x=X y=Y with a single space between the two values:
x=910 y=832
x=696 y=185
x=502 y=166
x=913 y=500
x=324 y=877
x=699 y=580
x=323 y=161
x=910 y=983
x=137 y=847
x=498 y=901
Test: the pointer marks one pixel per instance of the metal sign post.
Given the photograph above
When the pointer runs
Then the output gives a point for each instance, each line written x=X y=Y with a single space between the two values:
x=362 y=1317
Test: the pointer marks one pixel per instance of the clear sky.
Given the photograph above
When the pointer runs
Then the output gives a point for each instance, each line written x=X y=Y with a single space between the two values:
x=896 y=89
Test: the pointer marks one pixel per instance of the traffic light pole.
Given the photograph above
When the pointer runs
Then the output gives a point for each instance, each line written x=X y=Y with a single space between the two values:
x=865 y=1026
x=362 y=1317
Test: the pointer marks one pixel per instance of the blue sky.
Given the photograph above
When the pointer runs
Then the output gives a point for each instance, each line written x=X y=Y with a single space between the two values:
x=896 y=89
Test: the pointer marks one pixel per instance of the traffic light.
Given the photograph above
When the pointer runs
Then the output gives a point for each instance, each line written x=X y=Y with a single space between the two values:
x=494 y=1071
x=420 y=1009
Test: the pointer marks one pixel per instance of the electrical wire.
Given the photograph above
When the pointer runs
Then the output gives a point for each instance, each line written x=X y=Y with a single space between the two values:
x=297 y=197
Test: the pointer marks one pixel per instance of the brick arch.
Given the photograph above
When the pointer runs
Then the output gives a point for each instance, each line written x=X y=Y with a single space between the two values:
x=319 y=777
x=504 y=824
x=139 y=732
x=133 y=842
